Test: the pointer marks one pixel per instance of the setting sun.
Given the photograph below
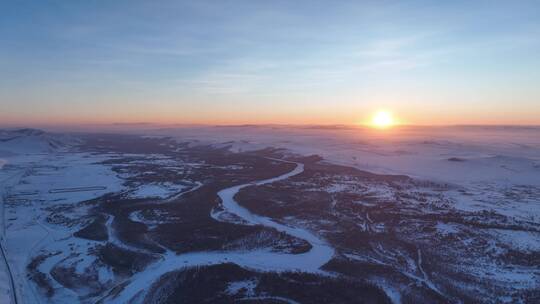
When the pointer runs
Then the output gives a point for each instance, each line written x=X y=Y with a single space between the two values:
x=382 y=119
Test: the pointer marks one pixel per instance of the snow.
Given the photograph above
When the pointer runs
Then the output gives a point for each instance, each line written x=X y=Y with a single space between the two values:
x=411 y=268
x=32 y=141
x=279 y=299
x=247 y=287
x=515 y=201
x=5 y=288
x=498 y=168
x=68 y=171
x=163 y=190
x=261 y=260
x=5 y=281
x=491 y=154
x=390 y=291
x=336 y=188
x=30 y=233
x=320 y=253
x=446 y=229
x=519 y=278
x=494 y=169
x=39 y=167
x=137 y=216
x=520 y=240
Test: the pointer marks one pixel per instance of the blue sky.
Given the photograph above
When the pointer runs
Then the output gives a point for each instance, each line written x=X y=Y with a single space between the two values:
x=429 y=62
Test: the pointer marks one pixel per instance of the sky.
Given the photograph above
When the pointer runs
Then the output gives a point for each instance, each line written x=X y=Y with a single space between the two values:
x=282 y=62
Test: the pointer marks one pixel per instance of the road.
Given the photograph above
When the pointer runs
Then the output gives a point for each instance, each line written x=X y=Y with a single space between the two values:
x=3 y=249
x=4 y=257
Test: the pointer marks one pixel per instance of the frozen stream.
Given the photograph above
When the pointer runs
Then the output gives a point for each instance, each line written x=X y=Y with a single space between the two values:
x=260 y=260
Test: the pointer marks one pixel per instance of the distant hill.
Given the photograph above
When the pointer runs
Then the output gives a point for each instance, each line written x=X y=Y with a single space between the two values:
x=24 y=141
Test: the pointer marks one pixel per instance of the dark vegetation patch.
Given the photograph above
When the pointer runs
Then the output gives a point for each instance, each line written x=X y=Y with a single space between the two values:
x=288 y=198
x=411 y=291
x=95 y=231
x=517 y=257
x=211 y=285
x=69 y=278
x=123 y=261
x=188 y=225
x=58 y=215
x=270 y=238
x=41 y=279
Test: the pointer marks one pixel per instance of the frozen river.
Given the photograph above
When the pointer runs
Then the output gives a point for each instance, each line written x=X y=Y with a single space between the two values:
x=261 y=260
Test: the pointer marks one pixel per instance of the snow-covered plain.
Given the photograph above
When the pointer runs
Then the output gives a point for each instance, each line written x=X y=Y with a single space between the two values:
x=486 y=163
x=483 y=169
x=495 y=169
x=39 y=174
x=157 y=190
x=461 y=154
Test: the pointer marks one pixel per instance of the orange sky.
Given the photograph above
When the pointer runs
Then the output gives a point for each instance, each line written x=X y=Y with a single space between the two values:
x=270 y=63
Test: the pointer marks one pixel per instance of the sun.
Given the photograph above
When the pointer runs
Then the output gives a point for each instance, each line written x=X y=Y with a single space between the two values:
x=382 y=119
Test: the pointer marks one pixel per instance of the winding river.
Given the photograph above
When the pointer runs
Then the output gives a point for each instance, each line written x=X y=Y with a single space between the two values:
x=259 y=260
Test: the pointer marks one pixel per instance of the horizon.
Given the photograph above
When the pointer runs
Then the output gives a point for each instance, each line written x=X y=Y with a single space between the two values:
x=305 y=63
x=396 y=132
x=233 y=125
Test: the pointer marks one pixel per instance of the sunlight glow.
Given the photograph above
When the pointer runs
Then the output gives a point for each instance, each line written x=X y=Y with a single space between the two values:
x=382 y=119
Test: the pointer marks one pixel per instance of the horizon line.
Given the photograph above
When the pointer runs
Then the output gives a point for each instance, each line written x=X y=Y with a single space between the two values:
x=239 y=125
